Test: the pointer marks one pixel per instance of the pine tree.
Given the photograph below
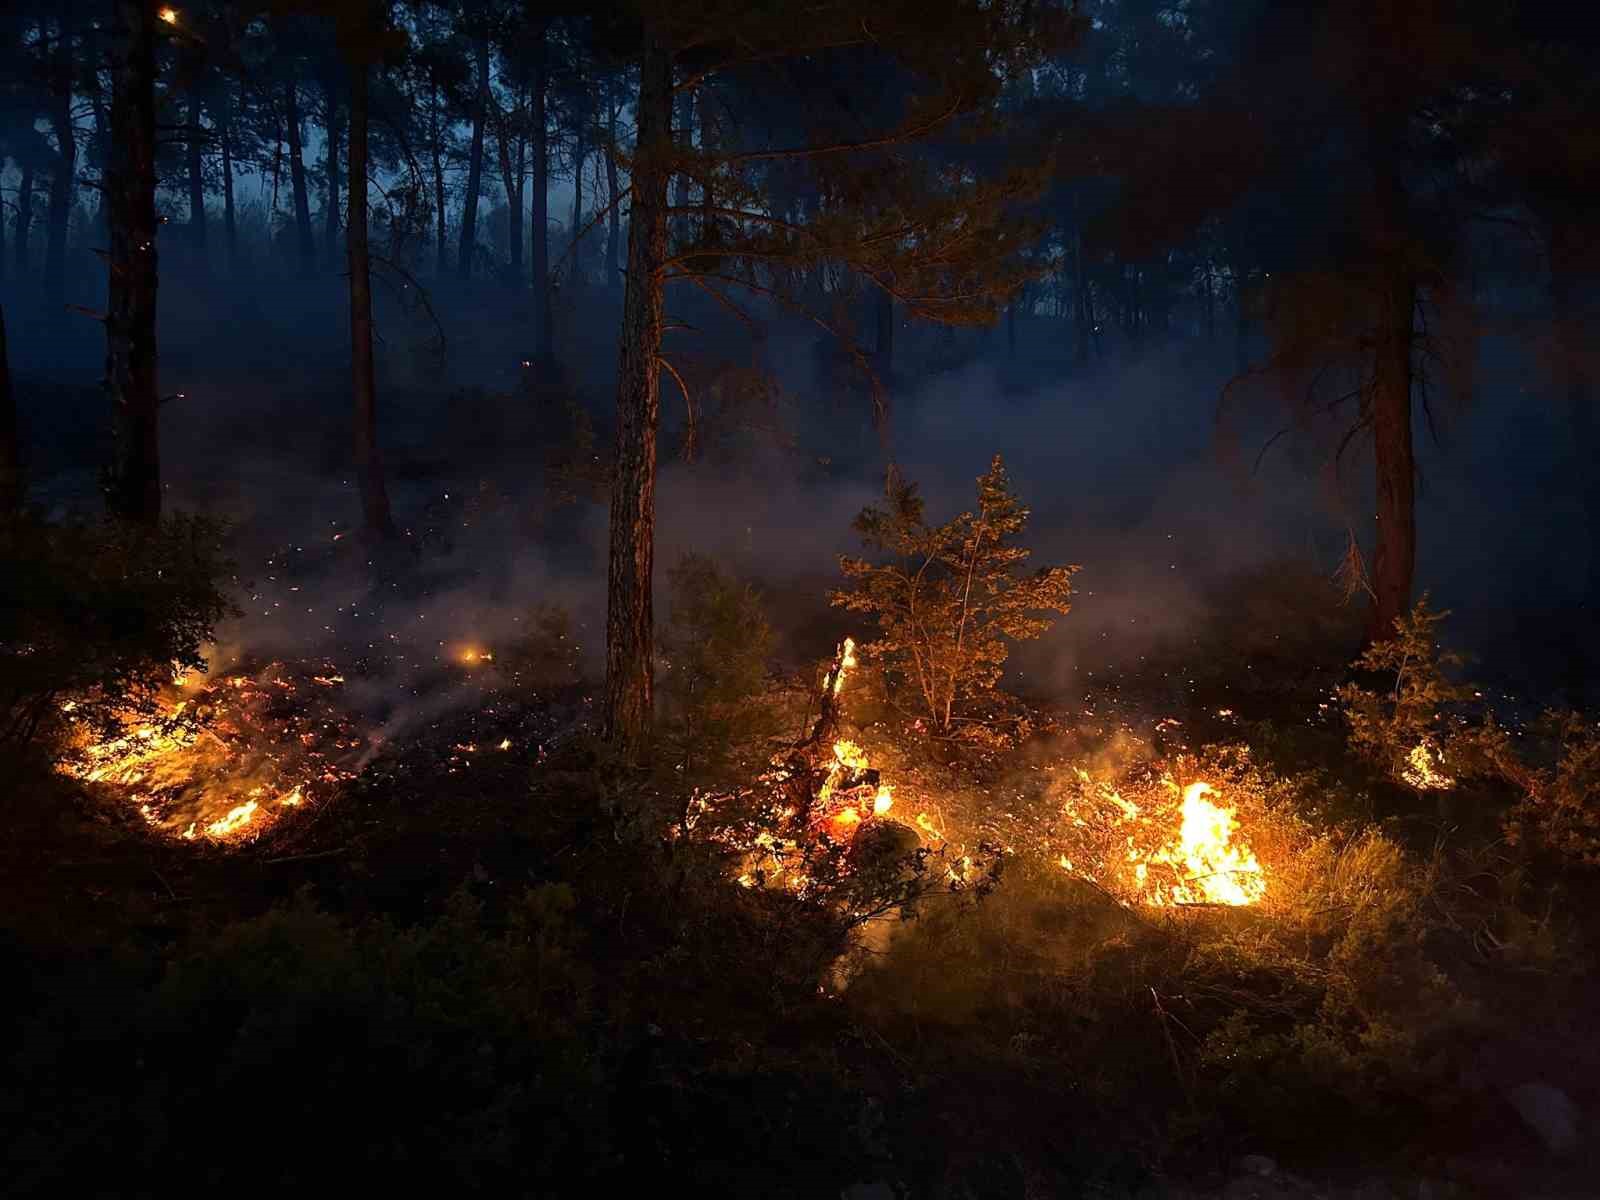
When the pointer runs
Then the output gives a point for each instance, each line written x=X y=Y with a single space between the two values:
x=939 y=238
x=951 y=598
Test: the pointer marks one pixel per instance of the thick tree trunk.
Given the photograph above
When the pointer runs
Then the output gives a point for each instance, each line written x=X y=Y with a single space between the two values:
x=1574 y=366
x=330 y=160
x=629 y=612
x=24 y=218
x=543 y=317
x=10 y=436
x=369 y=464
x=614 y=218
x=133 y=486
x=1394 y=558
x=297 y=178
x=436 y=135
x=197 y=182
x=469 y=203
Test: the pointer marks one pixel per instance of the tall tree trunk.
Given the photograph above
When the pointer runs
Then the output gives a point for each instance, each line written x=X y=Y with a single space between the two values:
x=1394 y=558
x=469 y=203
x=375 y=514
x=330 y=202
x=1574 y=366
x=614 y=217
x=62 y=172
x=297 y=177
x=629 y=611
x=511 y=178
x=543 y=317
x=574 y=246
x=436 y=134
x=133 y=485
x=197 y=182
x=24 y=218
x=10 y=437
x=230 y=224
x=4 y=261
x=884 y=312
x=94 y=50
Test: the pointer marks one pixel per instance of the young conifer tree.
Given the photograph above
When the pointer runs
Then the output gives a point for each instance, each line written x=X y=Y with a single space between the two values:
x=951 y=598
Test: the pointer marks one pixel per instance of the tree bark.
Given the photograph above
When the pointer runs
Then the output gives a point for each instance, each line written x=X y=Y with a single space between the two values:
x=629 y=612
x=297 y=177
x=512 y=177
x=330 y=160
x=543 y=317
x=197 y=182
x=1394 y=558
x=375 y=513
x=230 y=224
x=469 y=203
x=574 y=240
x=614 y=218
x=133 y=486
x=24 y=218
x=436 y=137
x=885 y=323
x=10 y=437
x=62 y=172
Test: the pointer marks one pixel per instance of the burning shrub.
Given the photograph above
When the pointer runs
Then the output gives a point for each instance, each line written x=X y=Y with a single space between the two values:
x=953 y=596
x=715 y=648
x=95 y=618
x=1398 y=731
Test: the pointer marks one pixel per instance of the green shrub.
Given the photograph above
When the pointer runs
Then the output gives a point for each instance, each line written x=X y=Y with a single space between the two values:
x=715 y=650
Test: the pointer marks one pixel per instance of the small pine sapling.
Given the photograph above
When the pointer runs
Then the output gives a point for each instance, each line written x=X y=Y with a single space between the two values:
x=952 y=597
x=1399 y=730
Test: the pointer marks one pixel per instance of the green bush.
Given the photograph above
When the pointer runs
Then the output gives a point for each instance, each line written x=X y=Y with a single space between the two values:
x=714 y=657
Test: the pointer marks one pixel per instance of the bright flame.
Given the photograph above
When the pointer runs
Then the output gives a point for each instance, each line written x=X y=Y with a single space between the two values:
x=1421 y=770
x=883 y=801
x=169 y=15
x=1214 y=870
x=1202 y=862
x=505 y=744
x=847 y=663
x=236 y=820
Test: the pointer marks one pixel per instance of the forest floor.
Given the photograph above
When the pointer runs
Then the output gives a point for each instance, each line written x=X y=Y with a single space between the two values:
x=918 y=1103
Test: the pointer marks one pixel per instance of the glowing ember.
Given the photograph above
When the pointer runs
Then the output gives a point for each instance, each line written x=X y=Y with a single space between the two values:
x=883 y=801
x=505 y=744
x=169 y=15
x=1422 y=770
x=471 y=656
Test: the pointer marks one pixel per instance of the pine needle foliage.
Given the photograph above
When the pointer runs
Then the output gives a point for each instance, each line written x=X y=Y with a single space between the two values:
x=951 y=598
x=717 y=642
x=1391 y=728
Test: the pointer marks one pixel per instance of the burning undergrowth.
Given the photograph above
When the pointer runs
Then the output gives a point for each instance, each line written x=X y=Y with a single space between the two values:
x=230 y=757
